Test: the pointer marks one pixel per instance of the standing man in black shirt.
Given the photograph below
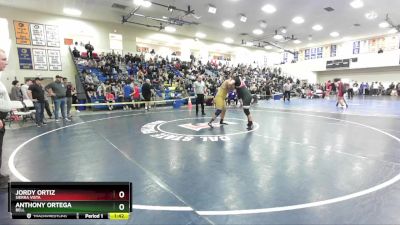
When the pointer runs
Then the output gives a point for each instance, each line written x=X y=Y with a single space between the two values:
x=36 y=93
x=68 y=95
x=146 y=92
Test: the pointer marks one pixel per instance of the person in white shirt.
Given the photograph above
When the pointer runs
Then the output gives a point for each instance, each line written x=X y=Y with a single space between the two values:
x=24 y=89
x=5 y=107
x=199 y=90
x=287 y=87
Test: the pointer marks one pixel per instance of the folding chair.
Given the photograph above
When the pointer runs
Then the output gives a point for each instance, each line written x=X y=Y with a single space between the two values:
x=29 y=104
x=17 y=111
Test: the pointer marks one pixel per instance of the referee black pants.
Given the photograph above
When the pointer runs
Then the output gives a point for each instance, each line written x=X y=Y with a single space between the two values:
x=200 y=100
x=286 y=95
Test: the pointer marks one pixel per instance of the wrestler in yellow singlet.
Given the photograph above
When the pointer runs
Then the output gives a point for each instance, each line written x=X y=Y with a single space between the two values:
x=219 y=100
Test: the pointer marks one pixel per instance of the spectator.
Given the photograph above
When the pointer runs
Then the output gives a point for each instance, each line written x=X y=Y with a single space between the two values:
x=76 y=53
x=16 y=94
x=136 y=95
x=58 y=92
x=127 y=96
x=36 y=93
x=147 y=90
x=89 y=48
x=24 y=89
x=68 y=94
x=110 y=98
x=46 y=103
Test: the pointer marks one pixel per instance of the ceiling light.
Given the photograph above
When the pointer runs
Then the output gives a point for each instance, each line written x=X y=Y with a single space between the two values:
x=170 y=29
x=228 y=40
x=212 y=9
x=72 y=12
x=283 y=31
x=243 y=18
x=392 y=31
x=228 y=24
x=371 y=15
x=263 y=24
x=146 y=4
x=249 y=44
x=258 y=32
x=298 y=20
x=317 y=27
x=334 y=34
x=384 y=25
x=278 y=37
x=201 y=35
x=357 y=4
x=297 y=42
x=268 y=47
x=143 y=3
x=268 y=8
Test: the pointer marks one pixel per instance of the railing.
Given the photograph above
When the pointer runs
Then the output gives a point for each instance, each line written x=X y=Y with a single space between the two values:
x=80 y=90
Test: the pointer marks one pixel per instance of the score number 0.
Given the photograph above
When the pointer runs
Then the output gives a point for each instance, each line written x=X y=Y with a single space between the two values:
x=121 y=194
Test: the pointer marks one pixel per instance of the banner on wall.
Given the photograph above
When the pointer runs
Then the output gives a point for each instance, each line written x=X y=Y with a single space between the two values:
x=25 y=58
x=356 y=47
x=39 y=59
x=296 y=56
x=53 y=36
x=307 y=54
x=333 y=50
x=22 y=34
x=38 y=34
x=320 y=52
x=313 y=53
x=54 y=58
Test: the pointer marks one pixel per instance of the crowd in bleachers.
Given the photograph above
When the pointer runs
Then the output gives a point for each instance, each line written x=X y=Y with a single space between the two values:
x=173 y=78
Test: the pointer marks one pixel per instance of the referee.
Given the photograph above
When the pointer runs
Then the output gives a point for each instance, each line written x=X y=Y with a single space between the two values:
x=200 y=89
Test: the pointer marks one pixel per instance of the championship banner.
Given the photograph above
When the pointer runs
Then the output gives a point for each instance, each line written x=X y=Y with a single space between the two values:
x=39 y=59
x=307 y=54
x=22 y=34
x=313 y=53
x=54 y=58
x=25 y=58
x=356 y=47
x=38 y=34
x=333 y=50
x=320 y=52
x=53 y=36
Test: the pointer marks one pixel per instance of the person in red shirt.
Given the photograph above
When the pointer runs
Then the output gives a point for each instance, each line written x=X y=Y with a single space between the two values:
x=328 y=88
x=136 y=95
x=340 y=93
x=110 y=98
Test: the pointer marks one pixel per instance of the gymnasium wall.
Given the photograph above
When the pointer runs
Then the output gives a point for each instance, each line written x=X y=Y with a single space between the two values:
x=385 y=74
x=377 y=67
x=98 y=34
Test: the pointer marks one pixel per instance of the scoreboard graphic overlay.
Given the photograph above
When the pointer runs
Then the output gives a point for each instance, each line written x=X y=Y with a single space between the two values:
x=61 y=200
